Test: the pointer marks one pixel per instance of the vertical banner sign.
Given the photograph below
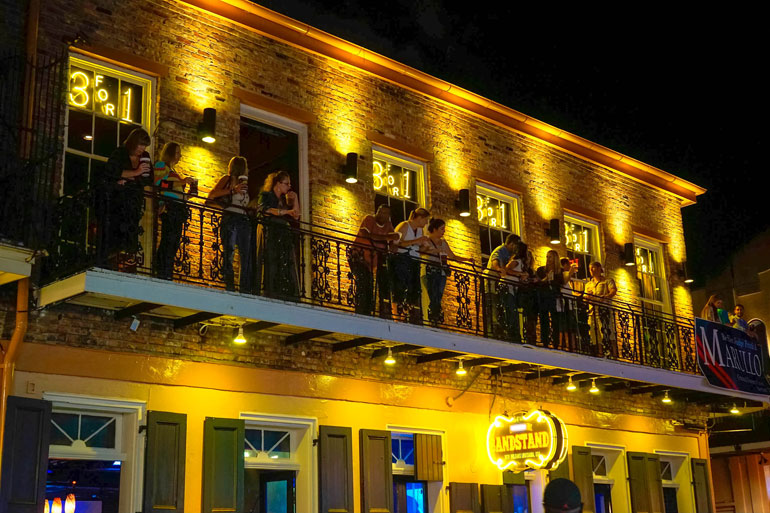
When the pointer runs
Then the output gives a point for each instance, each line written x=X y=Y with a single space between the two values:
x=729 y=358
x=535 y=439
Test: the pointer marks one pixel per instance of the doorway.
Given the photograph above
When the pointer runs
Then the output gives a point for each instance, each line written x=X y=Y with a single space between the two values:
x=270 y=491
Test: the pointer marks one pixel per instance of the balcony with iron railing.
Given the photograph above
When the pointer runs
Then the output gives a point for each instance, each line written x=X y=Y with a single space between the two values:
x=302 y=264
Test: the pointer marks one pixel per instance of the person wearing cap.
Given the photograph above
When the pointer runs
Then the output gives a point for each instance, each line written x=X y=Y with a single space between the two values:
x=562 y=496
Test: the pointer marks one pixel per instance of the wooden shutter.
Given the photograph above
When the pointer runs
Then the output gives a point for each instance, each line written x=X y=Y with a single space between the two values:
x=164 y=462
x=496 y=499
x=645 y=483
x=701 y=484
x=223 y=465
x=514 y=478
x=464 y=498
x=376 y=472
x=428 y=458
x=583 y=469
x=335 y=469
x=561 y=471
x=25 y=455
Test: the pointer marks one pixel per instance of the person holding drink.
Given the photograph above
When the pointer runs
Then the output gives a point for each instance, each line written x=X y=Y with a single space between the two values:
x=120 y=201
x=232 y=194
x=173 y=211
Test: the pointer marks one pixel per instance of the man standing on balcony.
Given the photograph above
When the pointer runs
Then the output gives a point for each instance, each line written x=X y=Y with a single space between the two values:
x=376 y=231
x=500 y=315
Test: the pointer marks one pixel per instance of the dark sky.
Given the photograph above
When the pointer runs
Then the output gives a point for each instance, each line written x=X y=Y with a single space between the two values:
x=684 y=93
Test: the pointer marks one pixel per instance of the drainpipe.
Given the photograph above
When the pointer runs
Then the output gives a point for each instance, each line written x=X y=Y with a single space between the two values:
x=8 y=356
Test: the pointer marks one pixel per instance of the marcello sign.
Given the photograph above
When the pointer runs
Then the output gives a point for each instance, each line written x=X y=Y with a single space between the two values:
x=535 y=439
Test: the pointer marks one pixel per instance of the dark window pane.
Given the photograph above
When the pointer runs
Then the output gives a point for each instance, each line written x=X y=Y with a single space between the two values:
x=100 y=430
x=67 y=422
x=97 y=483
x=407 y=451
x=78 y=129
x=397 y=211
x=75 y=173
x=395 y=449
x=486 y=244
x=669 y=500
x=408 y=208
x=105 y=136
x=125 y=129
x=106 y=98
x=273 y=437
x=254 y=437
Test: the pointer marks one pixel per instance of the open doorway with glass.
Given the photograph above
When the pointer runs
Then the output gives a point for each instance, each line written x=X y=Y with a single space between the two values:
x=270 y=491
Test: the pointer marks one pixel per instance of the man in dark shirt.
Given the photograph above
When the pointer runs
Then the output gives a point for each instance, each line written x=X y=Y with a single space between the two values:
x=376 y=231
x=501 y=316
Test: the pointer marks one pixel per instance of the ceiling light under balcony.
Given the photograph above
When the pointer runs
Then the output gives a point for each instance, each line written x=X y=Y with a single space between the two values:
x=571 y=387
x=240 y=338
x=666 y=399
x=460 y=369
x=734 y=410
x=389 y=360
x=594 y=389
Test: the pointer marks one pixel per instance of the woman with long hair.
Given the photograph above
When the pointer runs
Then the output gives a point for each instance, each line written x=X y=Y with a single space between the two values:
x=174 y=211
x=406 y=264
x=550 y=280
x=121 y=197
x=232 y=194
x=277 y=273
x=437 y=251
x=714 y=310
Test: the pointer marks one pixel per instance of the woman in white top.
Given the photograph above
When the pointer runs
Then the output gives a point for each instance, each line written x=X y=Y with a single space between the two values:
x=232 y=193
x=406 y=266
x=438 y=252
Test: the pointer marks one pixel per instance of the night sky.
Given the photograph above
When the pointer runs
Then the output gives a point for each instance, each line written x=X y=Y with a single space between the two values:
x=683 y=94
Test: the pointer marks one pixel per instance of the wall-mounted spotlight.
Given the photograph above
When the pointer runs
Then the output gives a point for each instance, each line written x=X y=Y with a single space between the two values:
x=463 y=202
x=553 y=231
x=628 y=254
x=684 y=275
x=351 y=168
x=207 y=129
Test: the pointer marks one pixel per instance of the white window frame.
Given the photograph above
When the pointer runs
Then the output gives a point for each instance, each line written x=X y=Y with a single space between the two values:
x=657 y=247
x=148 y=120
x=304 y=454
x=614 y=455
x=517 y=216
x=438 y=502
x=399 y=159
x=596 y=252
x=680 y=463
x=133 y=414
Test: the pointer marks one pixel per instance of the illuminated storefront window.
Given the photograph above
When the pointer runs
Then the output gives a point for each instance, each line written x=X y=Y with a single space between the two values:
x=103 y=105
x=397 y=182
x=649 y=271
x=498 y=215
x=581 y=238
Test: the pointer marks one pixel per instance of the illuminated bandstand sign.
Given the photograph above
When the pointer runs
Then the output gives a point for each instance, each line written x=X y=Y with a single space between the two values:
x=535 y=439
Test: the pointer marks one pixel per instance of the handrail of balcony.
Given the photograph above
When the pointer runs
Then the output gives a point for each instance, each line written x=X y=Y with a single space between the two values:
x=303 y=262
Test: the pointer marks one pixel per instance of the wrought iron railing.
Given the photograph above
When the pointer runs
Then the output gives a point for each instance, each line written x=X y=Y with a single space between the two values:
x=296 y=261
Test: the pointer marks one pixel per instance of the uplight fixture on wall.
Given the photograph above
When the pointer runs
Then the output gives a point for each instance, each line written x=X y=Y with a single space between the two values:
x=207 y=129
x=463 y=202
x=351 y=168
x=554 y=231
x=628 y=254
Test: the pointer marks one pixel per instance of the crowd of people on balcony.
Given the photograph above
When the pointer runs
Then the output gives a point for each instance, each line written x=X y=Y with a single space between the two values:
x=715 y=311
x=390 y=267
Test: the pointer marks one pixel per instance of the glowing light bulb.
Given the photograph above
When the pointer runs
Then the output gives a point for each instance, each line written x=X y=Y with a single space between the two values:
x=594 y=389
x=571 y=387
x=460 y=369
x=69 y=504
x=390 y=360
x=239 y=339
x=666 y=399
x=56 y=506
x=734 y=410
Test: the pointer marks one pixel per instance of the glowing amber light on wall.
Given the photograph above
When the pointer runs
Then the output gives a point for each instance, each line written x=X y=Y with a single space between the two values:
x=69 y=504
x=528 y=440
x=56 y=506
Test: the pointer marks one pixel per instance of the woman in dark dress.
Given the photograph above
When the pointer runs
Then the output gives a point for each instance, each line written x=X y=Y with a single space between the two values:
x=277 y=273
x=121 y=196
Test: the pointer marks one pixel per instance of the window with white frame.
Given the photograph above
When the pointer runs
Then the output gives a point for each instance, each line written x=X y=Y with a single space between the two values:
x=674 y=473
x=609 y=475
x=653 y=288
x=398 y=181
x=581 y=238
x=104 y=104
x=499 y=214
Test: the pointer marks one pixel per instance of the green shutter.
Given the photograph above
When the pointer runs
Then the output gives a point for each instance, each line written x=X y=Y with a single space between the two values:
x=561 y=471
x=428 y=458
x=514 y=478
x=25 y=454
x=223 y=465
x=701 y=484
x=164 y=462
x=376 y=472
x=645 y=483
x=464 y=498
x=335 y=469
x=496 y=499
x=583 y=470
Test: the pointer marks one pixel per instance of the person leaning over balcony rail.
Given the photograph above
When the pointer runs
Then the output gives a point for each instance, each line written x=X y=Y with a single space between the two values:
x=601 y=290
x=714 y=310
x=231 y=193
x=569 y=325
x=121 y=198
x=369 y=265
x=437 y=251
x=406 y=266
x=550 y=282
x=277 y=271
x=519 y=272
x=172 y=208
x=500 y=316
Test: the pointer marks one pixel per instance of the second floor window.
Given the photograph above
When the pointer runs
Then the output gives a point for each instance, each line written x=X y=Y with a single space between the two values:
x=581 y=238
x=398 y=182
x=498 y=215
x=104 y=104
x=649 y=271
